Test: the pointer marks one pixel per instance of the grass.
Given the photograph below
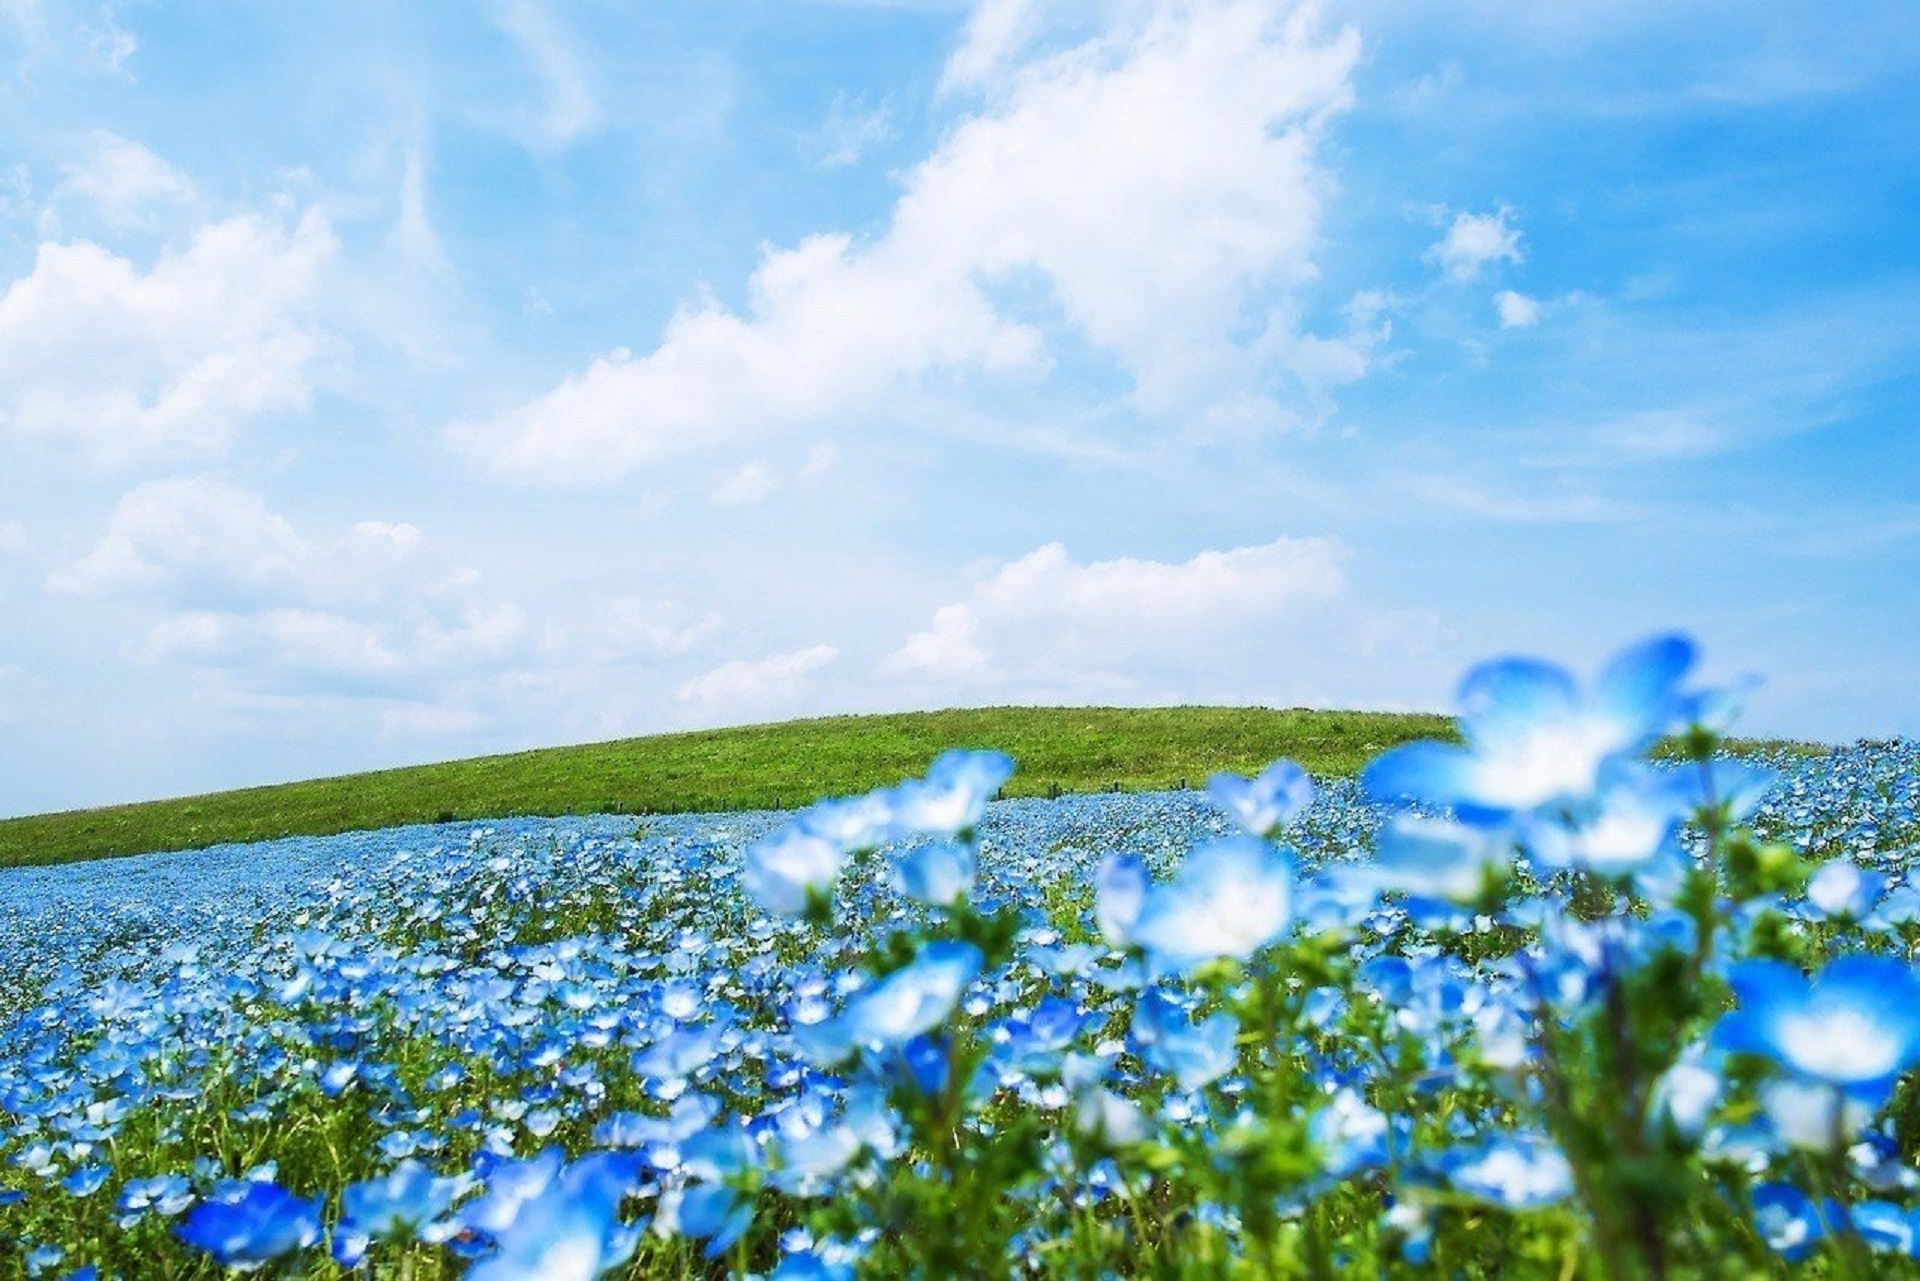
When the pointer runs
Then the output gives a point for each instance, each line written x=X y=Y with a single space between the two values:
x=1072 y=749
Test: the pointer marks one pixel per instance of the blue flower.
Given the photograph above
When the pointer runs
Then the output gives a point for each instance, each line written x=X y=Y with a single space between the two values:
x=1856 y=1025
x=264 y=1223
x=939 y=873
x=569 y=1229
x=914 y=999
x=792 y=871
x=1230 y=898
x=951 y=798
x=1170 y=1041
x=395 y=1207
x=1787 y=1221
x=1120 y=891
x=1260 y=805
x=1514 y=1171
x=1842 y=889
x=1632 y=821
x=1533 y=739
x=1438 y=859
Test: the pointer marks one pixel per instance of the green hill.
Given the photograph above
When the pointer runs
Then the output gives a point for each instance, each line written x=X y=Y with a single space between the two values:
x=1076 y=749
x=1071 y=749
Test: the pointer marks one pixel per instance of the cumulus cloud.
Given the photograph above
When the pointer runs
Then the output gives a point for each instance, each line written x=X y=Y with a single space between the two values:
x=758 y=687
x=1517 y=310
x=239 y=588
x=121 y=364
x=1475 y=242
x=1157 y=178
x=1047 y=627
x=124 y=182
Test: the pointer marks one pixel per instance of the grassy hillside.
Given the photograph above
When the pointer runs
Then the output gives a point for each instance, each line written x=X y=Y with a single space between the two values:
x=1078 y=749
x=1072 y=749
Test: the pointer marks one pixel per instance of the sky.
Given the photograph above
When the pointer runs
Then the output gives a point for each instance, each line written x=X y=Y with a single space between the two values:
x=384 y=383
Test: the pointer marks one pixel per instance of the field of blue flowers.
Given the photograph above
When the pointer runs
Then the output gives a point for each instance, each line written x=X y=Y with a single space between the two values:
x=1530 y=1006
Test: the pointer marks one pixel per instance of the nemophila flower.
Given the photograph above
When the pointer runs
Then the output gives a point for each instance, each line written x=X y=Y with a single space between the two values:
x=914 y=999
x=1230 y=898
x=1632 y=820
x=265 y=1222
x=85 y=1181
x=1886 y=1227
x=1120 y=891
x=951 y=798
x=1513 y=1171
x=570 y=1229
x=163 y=1194
x=1843 y=889
x=1279 y=795
x=1533 y=738
x=402 y=1205
x=1811 y=1115
x=938 y=873
x=792 y=872
x=1685 y=1095
x=1349 y=1134
x=1440 y=859
x=1193 y=1055
x=1109 y=1119
x=1734 y=785
x=854 y=823
x=1790 y=1224
x=1856 y=1025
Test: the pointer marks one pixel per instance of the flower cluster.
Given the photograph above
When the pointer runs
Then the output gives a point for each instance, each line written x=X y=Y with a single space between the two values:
x=1582 y=989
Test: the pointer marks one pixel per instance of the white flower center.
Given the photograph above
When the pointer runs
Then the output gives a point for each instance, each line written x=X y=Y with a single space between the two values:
x=1839 y=1043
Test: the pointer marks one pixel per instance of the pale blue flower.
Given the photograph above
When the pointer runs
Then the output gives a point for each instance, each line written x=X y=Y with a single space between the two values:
x=792 y=871
x=1533 y=739
x=938 y=873
x=1856 y=1025
x=951 y=798
x=1843 y=889
x=1632 y=821
x=1811 y=1115
x=1787 y=1221
x=263 y=1223
x=914 y=999
x=570 y=1229
x=1194 y=1055
x=1514 y=1171
x=1279 y=795
x=1230 y=898
x=1440 y=859
x=1120 y=891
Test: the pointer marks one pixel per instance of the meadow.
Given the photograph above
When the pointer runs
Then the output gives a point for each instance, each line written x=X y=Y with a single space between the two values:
x=1567 y=989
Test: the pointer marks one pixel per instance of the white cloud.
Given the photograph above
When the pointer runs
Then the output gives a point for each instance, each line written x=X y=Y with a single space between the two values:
x=189 y=535
x=13 y=538
x=851 y=129
x=126 y=183
x=753 y=482
x=1475 y=242
x=1517 y=311
x=571 y=109
x=1047 y=627
x=240 y=589
x=121 y=364
x=755 y=688
x=1159 y=178
x=413 y=232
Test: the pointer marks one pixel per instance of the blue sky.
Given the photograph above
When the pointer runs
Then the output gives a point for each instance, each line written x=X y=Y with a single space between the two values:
x=390 y=383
